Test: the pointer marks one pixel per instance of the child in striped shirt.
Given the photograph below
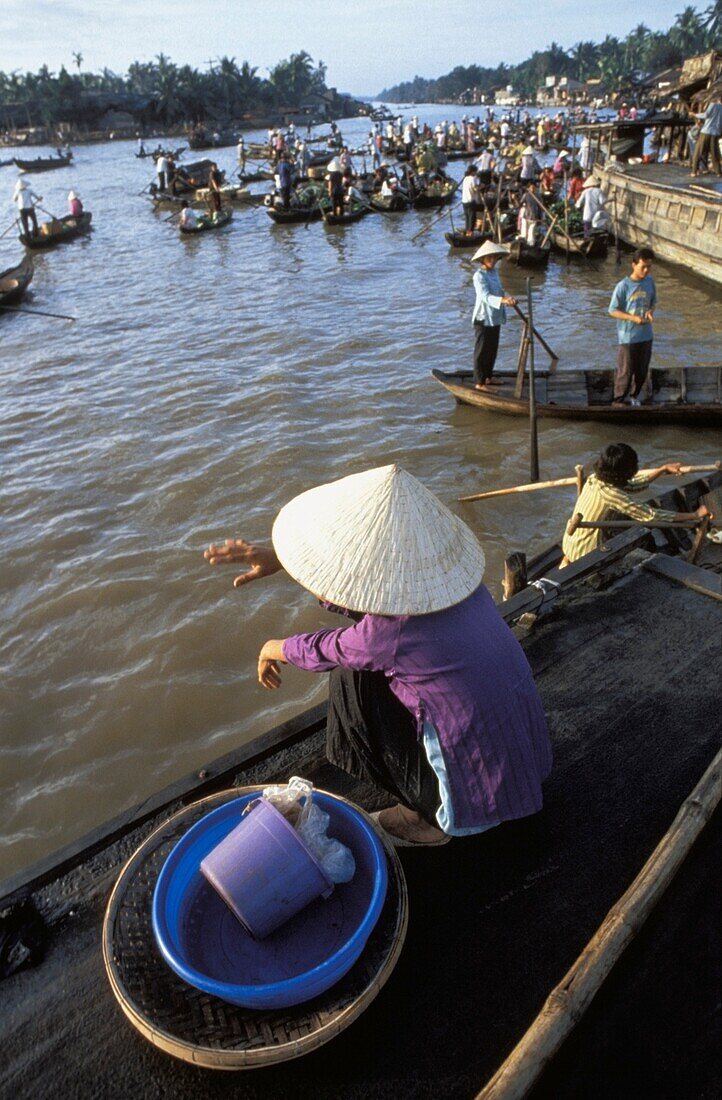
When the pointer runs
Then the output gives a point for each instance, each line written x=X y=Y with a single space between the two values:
x=607 y=491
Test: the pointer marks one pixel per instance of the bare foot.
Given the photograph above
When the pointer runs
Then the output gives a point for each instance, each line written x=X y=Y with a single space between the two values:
x=480 y=385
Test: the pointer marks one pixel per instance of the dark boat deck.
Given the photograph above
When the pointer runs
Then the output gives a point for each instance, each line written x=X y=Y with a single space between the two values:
x=629 y=678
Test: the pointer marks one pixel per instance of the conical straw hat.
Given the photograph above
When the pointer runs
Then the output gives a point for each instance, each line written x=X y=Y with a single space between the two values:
x=378 y=542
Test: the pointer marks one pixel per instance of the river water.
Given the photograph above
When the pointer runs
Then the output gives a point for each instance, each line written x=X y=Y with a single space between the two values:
x=206 y=381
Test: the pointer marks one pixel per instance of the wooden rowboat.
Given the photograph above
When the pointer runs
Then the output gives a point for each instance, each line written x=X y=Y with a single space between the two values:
x=691 y=395
x=43 y=164
x=438 y=193
x=527 y=255
x=206 y=222
x=594 y=246
x=14 y=281
x=58 y=231
x=390 y=204
x=466 y=240
x=354 y=214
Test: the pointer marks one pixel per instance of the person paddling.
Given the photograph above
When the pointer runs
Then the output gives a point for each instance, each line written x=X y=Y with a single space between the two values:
x=489 y=312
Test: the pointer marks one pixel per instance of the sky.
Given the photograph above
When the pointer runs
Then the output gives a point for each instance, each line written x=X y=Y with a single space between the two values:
x=366 y=47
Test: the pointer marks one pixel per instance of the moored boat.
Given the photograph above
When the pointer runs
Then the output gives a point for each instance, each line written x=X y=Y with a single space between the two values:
x=436 y=193
x=206 y=222
x=14 y=281
x=58 y=230
x=691 y=395
x=528 y=255
x=459 y=239
x=572 y=244
x=43 y=164
x=390 y=204
x=355 y=213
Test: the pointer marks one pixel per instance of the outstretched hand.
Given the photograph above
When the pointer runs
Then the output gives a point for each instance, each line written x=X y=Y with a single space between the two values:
x=261 y=560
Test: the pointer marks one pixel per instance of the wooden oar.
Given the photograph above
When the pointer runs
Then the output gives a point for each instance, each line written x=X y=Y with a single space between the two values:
x=435 y=220
x=565 y=482
x=38 y=313
x=11 y=226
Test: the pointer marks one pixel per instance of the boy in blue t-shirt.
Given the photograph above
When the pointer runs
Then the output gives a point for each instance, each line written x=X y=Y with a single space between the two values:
x=632 y=306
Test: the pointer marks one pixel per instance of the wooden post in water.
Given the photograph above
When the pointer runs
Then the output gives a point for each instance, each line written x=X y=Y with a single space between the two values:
x=533 y=441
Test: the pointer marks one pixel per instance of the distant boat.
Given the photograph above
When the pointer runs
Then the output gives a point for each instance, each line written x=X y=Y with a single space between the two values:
x=14 y=281
x=43 y=164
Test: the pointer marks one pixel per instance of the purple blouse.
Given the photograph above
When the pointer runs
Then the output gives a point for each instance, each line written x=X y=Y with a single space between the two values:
x=463 y=671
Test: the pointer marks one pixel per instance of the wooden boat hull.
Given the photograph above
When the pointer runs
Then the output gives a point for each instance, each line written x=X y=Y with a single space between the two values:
x=501 y=399
x=433 y=200
x=525 y=255
x=596 y=246
x=207 y=224
x=346 y=219
x=463 y=240
x=69 y=229
x=14 y=281
x=294 y=217
x=42 y=164
x=390 y=204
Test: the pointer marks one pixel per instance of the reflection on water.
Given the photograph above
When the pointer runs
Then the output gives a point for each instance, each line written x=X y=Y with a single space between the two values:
x=207 y=380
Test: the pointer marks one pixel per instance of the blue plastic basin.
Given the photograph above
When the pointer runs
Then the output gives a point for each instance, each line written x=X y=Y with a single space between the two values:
x=207 y=947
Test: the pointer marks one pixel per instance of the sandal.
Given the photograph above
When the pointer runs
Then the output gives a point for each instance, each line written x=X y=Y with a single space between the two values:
x=399 y=841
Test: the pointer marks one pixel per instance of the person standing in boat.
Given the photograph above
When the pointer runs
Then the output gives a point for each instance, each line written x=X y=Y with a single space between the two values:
x=215 y=184
x=607 y=491
x=590 y=202
x=489 y=311
x=241 y=154
x=470 y=198
x=707 y=144
x=25 y=198
x=284 y=175
x=161 y=168
x=431 y=699
x=531 y=214
x=485 y=164
x=632 y=306
x=334 y=184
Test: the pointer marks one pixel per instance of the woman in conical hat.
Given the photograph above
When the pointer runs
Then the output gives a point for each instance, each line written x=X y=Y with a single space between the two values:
x=431 y=698
x=489 y=312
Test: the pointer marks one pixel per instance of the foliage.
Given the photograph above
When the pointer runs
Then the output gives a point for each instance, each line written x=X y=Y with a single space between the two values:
x=616 y=61
x=157 y=91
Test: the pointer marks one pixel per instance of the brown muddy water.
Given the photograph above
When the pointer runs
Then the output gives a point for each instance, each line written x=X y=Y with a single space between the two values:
x=207 y=381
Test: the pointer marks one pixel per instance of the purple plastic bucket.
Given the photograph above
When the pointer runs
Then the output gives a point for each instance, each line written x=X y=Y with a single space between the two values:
x=264 y=872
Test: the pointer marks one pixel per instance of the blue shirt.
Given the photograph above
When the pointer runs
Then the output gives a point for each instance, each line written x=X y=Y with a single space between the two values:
x=713 y=119
x=488 y=308
x=634 y=296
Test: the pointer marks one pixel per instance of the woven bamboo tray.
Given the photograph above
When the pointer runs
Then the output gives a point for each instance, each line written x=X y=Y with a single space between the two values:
x=200 y=1028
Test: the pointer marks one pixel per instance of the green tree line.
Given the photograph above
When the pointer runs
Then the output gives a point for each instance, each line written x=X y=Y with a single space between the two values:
x=158 y=91
x=615 y=61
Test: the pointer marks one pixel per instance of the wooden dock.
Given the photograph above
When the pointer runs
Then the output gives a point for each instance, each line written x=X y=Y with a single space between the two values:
x=663 y=207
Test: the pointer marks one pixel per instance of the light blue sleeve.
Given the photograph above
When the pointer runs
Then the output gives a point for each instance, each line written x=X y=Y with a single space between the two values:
x=619 y=299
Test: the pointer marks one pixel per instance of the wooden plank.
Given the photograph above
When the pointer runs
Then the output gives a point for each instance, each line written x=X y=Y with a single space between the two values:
x=699 y=580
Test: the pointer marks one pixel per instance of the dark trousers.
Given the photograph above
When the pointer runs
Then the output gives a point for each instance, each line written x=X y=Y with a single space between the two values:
x=470 y=216
x=161 y=181
x=286 y=196
x=486 y=345
x=373 y=737
x=30 y=221
x=632 y=367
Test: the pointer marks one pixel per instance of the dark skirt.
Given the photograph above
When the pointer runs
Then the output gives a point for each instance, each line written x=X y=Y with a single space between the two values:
x=373 y=737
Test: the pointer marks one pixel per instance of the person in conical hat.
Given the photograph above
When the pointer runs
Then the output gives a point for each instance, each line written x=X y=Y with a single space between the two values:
x=431 y=699
x=24 y=199
x=489 y=312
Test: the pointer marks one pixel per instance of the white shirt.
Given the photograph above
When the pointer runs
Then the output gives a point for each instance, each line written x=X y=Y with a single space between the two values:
x=469 y=192
x=484 y=162
x=590 y=202
x=188 y=218
x=161 y=165
x=23 y=198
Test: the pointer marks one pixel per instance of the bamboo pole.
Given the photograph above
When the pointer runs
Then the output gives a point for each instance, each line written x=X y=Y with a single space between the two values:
x=564 y=482
x=533 y=434
x=567 y=1003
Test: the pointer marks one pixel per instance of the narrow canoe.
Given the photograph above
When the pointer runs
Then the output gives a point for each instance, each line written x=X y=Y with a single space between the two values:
x=355 y=214
x=206 y=222
x=43 y=164
x=58 y=231
x=14 y=281
x=691 y=395
x=466 y=240
x=390 y=204
x=436 y=194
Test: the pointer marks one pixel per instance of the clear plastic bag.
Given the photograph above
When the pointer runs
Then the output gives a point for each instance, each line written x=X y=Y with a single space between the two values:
x=295 y=802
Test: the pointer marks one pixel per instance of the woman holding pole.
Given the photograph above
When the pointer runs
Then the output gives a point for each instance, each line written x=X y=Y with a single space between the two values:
x=489 y=312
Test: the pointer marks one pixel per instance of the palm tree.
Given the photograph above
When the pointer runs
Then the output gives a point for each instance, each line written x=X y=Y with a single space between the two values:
x=586 y=59
x=78 y=59
x=712 y=22
x=688 y=34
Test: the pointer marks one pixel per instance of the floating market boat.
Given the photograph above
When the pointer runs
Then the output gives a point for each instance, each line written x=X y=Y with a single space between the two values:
x=575 y=244
x=437 y=193
x=206 y=222
x=43 y=164
x=540 y=886
x=688 y=395
x=390 y=204
x=459 y=239
x=355 y=213
x=14 y=281
x=240 y=195
x=527 y=255
x=58 y=231
x=155 y=153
